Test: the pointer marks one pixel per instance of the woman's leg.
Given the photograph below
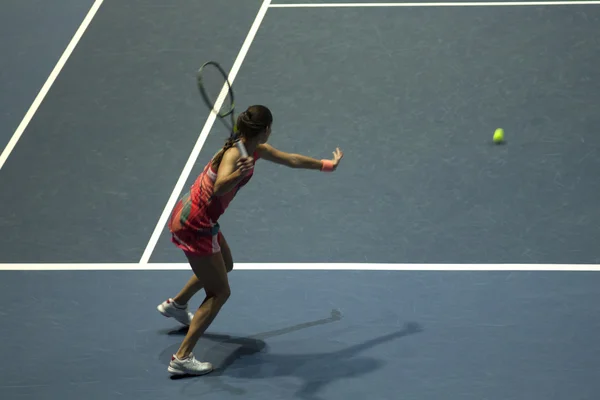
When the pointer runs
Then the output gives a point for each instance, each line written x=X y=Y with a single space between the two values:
x=226 y=252
x=177 y=307
x=212 y=271
x=194 y=285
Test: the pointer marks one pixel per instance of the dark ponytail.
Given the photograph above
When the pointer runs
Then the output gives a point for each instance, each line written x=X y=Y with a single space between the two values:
x=251 y=123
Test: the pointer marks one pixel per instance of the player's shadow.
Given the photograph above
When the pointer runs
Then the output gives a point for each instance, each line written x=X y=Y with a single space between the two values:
x=249 y=358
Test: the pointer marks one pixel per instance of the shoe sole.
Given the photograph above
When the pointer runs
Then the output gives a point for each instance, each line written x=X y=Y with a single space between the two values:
x=174 y=371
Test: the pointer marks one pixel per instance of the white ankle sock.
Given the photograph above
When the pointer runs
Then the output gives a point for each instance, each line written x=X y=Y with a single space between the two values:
x=177 y=305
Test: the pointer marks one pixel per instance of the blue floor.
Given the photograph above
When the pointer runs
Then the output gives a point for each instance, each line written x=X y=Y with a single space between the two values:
x=308 y=335
x=412 y=95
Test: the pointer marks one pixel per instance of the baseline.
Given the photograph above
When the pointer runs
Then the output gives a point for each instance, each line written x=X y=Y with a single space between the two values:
x=439 y=4
x=309 y=267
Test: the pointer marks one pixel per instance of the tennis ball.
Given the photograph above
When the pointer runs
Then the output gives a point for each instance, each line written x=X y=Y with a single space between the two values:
x=499 y=135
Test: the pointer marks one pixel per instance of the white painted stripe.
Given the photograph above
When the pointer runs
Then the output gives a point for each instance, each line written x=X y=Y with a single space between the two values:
x=307 y=267
x=440 y=4
x=49 y=82
x=202 y=139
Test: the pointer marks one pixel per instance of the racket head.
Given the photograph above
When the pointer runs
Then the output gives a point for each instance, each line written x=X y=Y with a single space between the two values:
x=216 y=90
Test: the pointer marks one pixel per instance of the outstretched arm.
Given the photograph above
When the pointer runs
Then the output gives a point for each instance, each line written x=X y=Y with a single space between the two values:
x=291 y=160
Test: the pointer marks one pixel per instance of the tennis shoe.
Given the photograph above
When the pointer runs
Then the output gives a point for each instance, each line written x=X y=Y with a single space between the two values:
x=188 y=366
x=170 y=309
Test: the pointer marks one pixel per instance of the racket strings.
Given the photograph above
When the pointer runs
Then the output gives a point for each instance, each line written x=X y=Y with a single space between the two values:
x=216 y=90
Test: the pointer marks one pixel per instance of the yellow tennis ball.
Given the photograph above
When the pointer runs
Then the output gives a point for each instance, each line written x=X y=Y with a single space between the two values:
x=499 y=135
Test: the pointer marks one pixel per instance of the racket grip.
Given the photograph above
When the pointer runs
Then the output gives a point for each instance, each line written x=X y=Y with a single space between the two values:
x=241 y=148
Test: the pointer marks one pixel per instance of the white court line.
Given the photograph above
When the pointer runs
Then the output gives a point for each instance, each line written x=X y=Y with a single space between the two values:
x=442 y=4
x=49 y=82
x=308 y=267
x=203 y=135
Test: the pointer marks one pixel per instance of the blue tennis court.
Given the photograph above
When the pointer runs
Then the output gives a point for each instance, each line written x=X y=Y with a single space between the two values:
x=432 y=264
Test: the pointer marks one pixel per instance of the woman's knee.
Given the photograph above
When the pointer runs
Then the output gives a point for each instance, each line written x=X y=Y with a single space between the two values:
x=225 y=293
x=219 y=296
x=212 y=272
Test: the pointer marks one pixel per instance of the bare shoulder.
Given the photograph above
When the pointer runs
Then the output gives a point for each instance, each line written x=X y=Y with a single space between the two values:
x=232 y=154
x=228 y=160
x=264 y=148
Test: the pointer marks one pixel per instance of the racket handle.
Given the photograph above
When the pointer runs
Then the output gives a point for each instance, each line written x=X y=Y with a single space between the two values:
x=241 y=148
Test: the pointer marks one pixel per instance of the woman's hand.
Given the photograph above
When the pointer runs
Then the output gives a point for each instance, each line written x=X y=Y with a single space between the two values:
x=337 y=157
x=245 y=165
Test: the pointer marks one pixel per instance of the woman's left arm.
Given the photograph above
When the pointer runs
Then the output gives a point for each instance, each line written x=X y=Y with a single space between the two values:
x=299 y=161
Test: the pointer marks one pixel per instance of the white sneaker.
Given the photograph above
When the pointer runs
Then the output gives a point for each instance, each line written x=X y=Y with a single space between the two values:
x=188 y=366
x=170 y=310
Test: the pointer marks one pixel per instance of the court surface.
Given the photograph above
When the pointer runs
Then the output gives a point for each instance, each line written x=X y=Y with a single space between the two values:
x=433 y=264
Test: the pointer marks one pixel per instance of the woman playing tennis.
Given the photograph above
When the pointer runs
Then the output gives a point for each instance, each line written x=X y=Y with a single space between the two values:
x=194 y=228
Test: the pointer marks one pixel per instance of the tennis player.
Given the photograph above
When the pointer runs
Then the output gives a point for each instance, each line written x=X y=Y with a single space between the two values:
x=195 y=229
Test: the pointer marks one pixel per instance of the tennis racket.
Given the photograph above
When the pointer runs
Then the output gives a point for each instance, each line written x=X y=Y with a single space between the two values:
x=217 y=93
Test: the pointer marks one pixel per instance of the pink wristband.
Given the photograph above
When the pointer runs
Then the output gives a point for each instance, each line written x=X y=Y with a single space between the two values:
x=327 y=166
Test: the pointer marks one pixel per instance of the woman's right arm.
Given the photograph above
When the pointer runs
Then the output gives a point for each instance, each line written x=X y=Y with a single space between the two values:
x=232 y=170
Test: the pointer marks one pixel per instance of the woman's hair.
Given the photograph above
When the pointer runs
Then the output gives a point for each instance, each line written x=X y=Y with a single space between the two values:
x=251 y=123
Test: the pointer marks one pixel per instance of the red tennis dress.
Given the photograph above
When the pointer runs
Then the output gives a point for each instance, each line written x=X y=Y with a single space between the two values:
x=194 y=220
